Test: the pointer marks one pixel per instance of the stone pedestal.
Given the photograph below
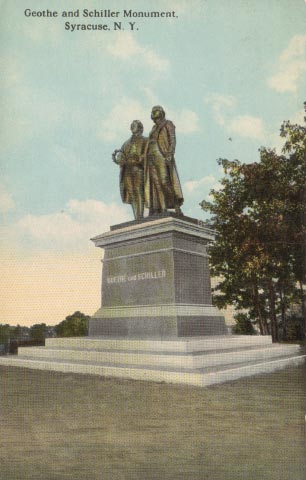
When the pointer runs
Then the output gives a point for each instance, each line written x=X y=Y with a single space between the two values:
x=155 y=281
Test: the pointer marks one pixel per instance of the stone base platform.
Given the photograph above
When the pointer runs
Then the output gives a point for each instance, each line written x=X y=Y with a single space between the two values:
x=199 y=361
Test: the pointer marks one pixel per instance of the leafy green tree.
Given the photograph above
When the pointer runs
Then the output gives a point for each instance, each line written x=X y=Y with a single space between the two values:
x=75 y=325
x=5 y=332
x=243 y=325
x=237 y=256
x=294 y=329
x=295 y=149
x=38 y=331
x=16 y=331
x=259 y=219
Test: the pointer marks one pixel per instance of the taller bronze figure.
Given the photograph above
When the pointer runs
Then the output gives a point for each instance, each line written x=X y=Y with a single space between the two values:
x=162 y=189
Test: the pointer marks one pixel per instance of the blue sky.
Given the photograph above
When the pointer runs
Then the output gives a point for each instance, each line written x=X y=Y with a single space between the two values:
x=226 y=69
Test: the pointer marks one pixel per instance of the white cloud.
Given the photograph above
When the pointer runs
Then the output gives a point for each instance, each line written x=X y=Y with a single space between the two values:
x=197 y=190
x=117 y=123
x=298 y=117
x=126 y=47
x=291 y=66
x=61 y=273
x=150 y=95
x=275 y=141
x=6 y=200
x=73 y=226
x=242 y=125
x=40 y=34
x=286 y=79
x=186 y=121
x=116 y=126
x=219 y=104
x=193 y=185
x=247 y=126
x=296 y=48
x=14 y=72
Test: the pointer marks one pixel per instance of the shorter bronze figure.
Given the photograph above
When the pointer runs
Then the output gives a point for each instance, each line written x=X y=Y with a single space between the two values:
x=131 y=159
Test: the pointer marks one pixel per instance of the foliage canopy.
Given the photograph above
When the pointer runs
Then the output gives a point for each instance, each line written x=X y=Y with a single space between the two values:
x=260 y=223
x=75 y=325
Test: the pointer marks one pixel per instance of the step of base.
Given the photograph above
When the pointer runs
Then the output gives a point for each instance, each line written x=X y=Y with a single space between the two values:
x=180 y=345
x=160 y=359
x=197 y=378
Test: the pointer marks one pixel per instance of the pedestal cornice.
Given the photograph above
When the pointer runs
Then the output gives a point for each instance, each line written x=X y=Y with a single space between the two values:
x=154 y=228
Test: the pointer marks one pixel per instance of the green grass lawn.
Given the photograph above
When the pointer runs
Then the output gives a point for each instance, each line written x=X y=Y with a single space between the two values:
x=68 y=426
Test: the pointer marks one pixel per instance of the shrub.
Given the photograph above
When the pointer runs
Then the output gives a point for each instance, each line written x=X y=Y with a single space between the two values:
x=294 y=329
x=243 y=325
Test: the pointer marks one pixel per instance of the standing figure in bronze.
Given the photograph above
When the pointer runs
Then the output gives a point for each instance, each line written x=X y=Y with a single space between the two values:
x=131 y=160
x=162 y=187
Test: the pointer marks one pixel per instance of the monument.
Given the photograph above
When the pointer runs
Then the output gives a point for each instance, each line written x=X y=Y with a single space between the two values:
x=156 y=321
x=155 y=279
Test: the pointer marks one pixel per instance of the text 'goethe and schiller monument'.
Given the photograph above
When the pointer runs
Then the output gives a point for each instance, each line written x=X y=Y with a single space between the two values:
x=155 y=280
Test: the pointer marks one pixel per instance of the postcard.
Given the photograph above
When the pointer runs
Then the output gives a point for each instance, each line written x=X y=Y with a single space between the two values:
x=81 y=79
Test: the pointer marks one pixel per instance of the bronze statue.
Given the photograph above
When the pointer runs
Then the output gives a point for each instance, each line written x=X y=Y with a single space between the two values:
x=131 y=160
x=148 y=175
x=162 y=187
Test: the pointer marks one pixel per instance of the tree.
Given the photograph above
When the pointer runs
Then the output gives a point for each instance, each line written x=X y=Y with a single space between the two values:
x=38 y=331
x=5 y=332
x=75 y=325
x=295 y=148
x=243 y=325
x=294 y=329
x=16 y=331
x=259 y=219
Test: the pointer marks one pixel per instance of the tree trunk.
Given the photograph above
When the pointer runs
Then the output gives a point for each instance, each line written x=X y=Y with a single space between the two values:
x=282 y=296
x=274 y=324
x=262 y=323
x=303 y=306
x=266 y=327
x=260 y=326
